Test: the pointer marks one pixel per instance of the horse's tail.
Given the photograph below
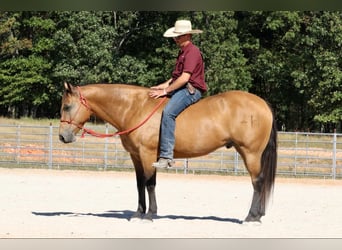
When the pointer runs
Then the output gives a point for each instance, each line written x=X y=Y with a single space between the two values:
x=269 y=164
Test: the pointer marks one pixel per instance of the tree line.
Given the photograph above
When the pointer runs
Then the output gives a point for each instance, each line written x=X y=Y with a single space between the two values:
x=292 y=59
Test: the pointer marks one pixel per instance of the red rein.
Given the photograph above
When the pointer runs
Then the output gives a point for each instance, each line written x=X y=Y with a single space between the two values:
x=84 y=102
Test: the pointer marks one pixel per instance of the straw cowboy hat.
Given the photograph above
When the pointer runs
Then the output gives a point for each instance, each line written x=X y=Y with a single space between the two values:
x=182 y=27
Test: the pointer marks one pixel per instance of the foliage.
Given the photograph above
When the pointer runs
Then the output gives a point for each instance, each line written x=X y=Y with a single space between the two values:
x=290 y=58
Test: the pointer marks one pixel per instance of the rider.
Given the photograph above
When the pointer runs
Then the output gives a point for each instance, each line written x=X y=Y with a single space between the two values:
x=184 y=88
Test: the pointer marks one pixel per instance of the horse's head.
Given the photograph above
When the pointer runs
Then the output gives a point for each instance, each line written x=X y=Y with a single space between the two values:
x=75 y=111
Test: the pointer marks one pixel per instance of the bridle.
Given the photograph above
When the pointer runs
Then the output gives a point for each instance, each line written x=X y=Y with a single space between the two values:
x=85 y=103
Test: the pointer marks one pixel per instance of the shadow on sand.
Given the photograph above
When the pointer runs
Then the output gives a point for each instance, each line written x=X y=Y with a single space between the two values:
x=127 y=214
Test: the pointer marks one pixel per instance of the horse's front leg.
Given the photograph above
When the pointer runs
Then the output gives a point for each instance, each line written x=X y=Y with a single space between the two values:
x=141 y=184
x=150 y=186
x=146 y=178
x=141 y=201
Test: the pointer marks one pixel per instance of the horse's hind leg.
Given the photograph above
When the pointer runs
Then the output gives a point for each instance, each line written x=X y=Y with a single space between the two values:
x=257 y=210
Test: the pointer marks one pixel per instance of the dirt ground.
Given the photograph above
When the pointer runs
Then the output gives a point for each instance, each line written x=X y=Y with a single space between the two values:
x=38 y=203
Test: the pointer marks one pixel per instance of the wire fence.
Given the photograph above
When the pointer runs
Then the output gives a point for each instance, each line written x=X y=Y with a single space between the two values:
x=299 y=154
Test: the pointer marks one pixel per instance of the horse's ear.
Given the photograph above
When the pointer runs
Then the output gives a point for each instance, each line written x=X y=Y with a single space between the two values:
x=68 y=87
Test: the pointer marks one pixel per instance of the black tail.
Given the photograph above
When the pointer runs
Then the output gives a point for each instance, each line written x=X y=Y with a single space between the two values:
x=269 y=165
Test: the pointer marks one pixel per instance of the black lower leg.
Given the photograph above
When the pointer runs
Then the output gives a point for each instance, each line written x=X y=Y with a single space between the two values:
x=257 y=209
x=150 y=186
x=254 y=214
x=141 y=200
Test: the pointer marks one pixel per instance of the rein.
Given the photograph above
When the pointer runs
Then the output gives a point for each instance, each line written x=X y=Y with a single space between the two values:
x=85 y=103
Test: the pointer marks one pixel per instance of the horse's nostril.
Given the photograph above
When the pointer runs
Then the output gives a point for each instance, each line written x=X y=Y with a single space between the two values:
x=61 y=138
x=67 y=138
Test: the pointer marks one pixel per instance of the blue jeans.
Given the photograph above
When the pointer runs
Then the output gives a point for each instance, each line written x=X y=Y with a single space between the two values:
x=180 y=100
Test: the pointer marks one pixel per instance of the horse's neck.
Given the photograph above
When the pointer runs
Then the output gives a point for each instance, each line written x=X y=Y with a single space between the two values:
x=113 y=103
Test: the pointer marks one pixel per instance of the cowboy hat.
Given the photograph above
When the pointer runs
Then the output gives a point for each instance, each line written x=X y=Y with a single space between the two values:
x=182 y=27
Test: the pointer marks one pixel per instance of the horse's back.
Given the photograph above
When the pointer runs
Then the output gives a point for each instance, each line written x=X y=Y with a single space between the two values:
x=234 y=98
x=233 y=105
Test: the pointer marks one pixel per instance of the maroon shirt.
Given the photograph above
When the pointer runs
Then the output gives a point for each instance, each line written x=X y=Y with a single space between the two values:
x=190 y=60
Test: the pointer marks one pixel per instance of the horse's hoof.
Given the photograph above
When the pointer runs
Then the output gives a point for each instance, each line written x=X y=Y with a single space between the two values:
x=148 y=218
x=136 y=217
x=253 y=218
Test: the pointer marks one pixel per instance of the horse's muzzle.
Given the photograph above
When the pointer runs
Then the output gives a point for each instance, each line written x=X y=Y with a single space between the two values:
x=67 y=137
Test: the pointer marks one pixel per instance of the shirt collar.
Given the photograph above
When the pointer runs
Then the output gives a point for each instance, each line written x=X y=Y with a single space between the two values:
x=187 y=47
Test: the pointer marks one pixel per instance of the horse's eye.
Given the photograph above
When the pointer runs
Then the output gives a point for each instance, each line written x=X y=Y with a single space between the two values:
x=66 y=108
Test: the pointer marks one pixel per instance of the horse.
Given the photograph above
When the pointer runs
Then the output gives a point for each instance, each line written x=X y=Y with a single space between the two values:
x=233 y=119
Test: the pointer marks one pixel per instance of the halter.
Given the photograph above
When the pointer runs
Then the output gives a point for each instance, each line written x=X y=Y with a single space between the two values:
x=85 y=103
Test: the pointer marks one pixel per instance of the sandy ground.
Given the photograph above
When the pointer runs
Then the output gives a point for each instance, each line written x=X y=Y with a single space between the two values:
x=84 y=204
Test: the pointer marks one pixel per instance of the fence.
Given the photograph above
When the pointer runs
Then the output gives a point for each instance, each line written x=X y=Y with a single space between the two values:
x=299 y=154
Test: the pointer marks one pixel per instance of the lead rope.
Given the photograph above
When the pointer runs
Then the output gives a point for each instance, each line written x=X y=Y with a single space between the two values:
x=96 y=134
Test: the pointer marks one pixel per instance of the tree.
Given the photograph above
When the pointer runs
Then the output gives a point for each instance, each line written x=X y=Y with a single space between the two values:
x=326 y=31
x=292 y=55
x=226 y=67
x=25 y=68
x=267 y=39
x=290 y=58
x=83 y=47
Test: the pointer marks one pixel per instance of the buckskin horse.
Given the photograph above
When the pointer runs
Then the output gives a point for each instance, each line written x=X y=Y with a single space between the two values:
x=234 y=118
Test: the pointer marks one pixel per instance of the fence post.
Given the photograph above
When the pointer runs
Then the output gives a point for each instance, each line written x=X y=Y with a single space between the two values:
x=50 y=146
x=18 y=145
x=334 y=155
x=106 y=149
x=115 y=152
x=295 y=156
x=306 y=151
x=236 y=162
x=186 y=165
